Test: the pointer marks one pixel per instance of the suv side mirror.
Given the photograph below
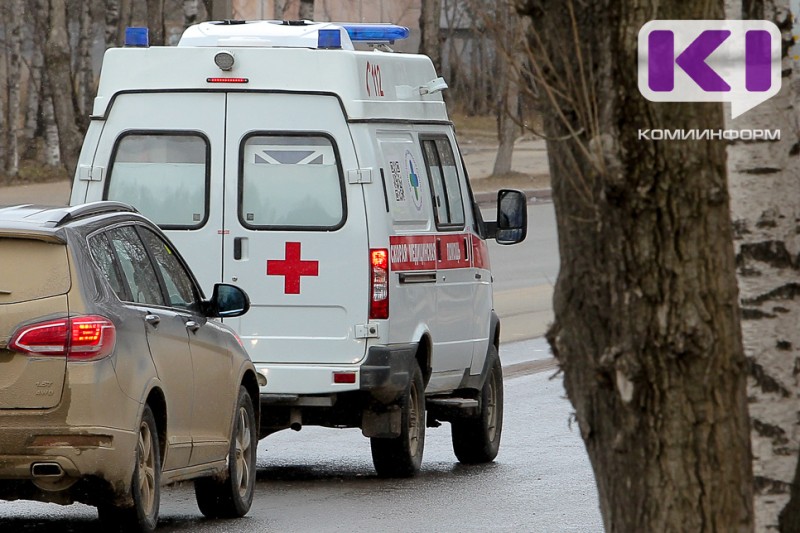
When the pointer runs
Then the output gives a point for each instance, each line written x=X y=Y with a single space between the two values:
x=512 y=217
x=228 y=301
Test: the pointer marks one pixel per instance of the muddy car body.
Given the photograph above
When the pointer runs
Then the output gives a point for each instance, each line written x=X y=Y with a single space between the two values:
x=85 y=362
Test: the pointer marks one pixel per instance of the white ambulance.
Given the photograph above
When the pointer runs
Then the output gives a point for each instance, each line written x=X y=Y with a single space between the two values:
x=325 y=181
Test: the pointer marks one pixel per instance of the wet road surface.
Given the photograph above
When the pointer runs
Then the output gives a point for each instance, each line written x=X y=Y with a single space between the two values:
x=322 y=480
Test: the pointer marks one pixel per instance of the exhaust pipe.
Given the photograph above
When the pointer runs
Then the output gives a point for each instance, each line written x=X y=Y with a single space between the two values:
x=295 y=420
x=46 y=470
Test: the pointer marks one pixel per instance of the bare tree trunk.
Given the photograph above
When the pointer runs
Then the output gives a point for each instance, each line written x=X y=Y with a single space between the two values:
x=646 y=325
x=155 y=21
x=85 y=84
x=306 y=10
x=765 y=204
x=430 y=39
x=16 y=16
x=506 y=28
x=190 y=8
x=57 y=59
x=34 y=103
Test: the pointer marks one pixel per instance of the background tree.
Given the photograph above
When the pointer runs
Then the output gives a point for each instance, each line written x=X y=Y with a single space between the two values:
x=646 y=308
x=57 y=61
x=507 y=29
x=155 y=22
x=16 y=16
x=429 y=27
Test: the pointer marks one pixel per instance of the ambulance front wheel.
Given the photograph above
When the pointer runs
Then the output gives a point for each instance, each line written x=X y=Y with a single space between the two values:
x=477 y=439
x=402 y=456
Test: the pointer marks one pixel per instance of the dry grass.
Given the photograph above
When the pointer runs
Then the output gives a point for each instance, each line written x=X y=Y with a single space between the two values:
x=32 y=172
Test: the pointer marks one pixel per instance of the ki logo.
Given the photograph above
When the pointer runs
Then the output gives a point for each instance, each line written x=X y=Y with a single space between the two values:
x=736 y=61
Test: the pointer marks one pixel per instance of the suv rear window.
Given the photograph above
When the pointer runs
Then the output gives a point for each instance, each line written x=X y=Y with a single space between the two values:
x=164 y=175
x=290 y=181
x=31 y=269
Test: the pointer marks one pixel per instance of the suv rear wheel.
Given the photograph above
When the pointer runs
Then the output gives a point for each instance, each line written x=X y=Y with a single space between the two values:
x=145 y=485
x=232 y=496
x=477 y=440
x=402 y=456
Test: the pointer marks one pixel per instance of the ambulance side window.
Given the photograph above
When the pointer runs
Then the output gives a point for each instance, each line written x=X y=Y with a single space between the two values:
x=445 y=187
x=165 y=175
x=290 y=182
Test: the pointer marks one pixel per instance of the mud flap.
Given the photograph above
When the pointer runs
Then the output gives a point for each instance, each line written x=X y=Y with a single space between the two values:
x=383 y=425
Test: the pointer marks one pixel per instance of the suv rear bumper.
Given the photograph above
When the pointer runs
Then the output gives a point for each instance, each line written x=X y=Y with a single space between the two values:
x=65 y=456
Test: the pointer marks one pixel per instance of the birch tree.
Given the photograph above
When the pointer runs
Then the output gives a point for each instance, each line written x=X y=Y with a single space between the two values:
x=57 y=59
x=16 y=17
x=766 y=209
x=646 y=326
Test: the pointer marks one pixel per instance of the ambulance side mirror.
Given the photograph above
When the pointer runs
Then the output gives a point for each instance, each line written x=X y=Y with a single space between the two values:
x=228 y=301
x=512 y=217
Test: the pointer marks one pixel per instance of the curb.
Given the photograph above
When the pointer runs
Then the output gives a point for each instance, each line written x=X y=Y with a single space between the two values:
x=534 y=196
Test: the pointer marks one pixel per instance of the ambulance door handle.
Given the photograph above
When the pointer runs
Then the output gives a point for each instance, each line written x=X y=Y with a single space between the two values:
x=237 y=247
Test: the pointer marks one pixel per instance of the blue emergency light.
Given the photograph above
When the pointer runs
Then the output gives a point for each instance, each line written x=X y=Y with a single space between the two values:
x=330 y=39
x=376 y=33
x=137 y=37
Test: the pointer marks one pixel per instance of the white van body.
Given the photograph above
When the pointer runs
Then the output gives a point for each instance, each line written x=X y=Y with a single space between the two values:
x=293 y=174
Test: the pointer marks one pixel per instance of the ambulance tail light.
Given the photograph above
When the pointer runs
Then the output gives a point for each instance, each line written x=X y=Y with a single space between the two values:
x=379 y=283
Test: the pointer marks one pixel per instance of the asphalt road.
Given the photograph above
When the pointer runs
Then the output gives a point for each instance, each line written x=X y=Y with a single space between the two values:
x=322 y=480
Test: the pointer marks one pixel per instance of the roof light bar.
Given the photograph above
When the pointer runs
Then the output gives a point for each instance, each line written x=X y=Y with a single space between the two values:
x=376 y=33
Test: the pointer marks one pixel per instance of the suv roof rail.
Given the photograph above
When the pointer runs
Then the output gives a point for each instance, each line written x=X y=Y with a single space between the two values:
x=69 y=214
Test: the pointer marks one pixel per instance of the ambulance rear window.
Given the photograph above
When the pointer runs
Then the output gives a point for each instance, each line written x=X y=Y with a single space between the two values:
x=164 y=175
x=291 y=181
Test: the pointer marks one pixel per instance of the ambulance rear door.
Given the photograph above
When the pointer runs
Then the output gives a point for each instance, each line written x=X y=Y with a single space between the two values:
x=297 y=237
x=162 y=152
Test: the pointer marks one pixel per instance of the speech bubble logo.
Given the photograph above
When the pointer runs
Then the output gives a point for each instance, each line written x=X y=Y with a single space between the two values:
x=736 y=61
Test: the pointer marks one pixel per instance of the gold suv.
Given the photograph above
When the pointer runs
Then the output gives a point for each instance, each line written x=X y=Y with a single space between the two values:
x=115 y=375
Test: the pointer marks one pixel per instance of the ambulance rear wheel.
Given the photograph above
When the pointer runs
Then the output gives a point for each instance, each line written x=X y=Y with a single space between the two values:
x=477 y=440
x=402 y=456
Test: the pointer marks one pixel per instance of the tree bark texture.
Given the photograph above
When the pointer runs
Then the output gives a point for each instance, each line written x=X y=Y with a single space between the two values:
x=57 y=59
x=765 y=210
x=646 y=325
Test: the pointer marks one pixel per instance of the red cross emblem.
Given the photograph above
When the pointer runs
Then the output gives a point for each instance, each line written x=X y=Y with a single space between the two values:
x=292 y=268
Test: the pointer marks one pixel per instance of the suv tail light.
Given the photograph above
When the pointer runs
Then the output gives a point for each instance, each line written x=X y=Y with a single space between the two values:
x=80 y=338
x=379 y=283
